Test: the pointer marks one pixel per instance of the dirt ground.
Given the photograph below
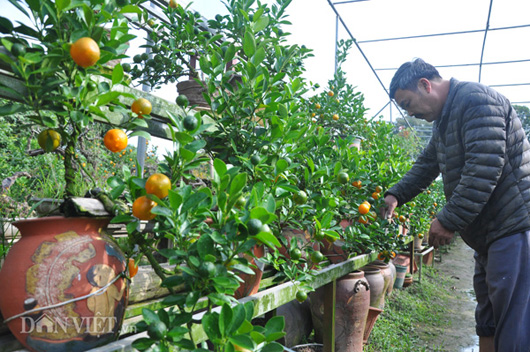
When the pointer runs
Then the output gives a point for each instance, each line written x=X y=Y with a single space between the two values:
x=458 y=265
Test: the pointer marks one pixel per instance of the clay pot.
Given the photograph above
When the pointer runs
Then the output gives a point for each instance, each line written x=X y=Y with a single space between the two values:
x=351 y=310
x=387 y=272
x=298 y=325
x=333 y=251
x=418 y=244
x=250 y=284
x=373 y=314
x=408 y=280
x=377 y=286
x=394 y=276
x=303 y=237
x=193 y=91
x=60 y=260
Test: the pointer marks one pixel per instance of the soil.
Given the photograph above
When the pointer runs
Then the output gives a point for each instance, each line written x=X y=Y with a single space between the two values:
x=458 y=265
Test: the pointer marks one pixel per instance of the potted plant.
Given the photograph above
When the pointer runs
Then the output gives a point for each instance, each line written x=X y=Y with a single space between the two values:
x=173 y=49
x=56 y=61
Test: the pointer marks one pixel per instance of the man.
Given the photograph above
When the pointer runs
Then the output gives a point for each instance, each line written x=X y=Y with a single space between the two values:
x=480 y=148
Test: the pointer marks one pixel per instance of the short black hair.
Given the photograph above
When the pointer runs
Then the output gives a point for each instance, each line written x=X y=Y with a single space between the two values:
x=408 y=75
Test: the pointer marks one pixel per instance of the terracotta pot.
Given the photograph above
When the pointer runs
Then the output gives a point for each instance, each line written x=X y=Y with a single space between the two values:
x=377 y=285
x=59 y=260
x=351 y=310
x=250 y=284
x=298 y=325
x=394 y=276
x=333 y=251
x=407 y=281
x=193 y=91
x=388 y=274
x=418 y=243
x=373 y=314
x=303 y=237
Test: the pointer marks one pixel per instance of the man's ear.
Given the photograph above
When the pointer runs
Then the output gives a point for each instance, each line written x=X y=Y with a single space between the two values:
x=425 y=84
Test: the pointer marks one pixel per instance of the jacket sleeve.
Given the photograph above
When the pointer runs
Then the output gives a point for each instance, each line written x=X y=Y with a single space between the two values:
x=483 y=133
x=419 y=177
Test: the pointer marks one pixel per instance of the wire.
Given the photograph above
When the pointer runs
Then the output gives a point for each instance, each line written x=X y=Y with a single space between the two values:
x=484 y=42
x=60 y=304
x=464 y=65
x=441 y=34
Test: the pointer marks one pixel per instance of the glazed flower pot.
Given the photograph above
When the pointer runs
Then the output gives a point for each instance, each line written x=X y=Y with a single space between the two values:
x=67 y=290
x=401 y=271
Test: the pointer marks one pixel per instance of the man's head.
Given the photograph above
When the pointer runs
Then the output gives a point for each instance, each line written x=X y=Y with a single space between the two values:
x=419 y=89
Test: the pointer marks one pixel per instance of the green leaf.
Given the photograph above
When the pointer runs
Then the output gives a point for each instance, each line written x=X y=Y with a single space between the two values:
x=210 y=324
x=225 y=319
x=275 y=324
x=268 y=239
x=258 y=57
x=173 y=281
x=142 y=343
x=117 y=74
x=230 y=53
x=270 y=204
x=261 y=23
x=281 y=166
x=282 y=110
x=106 y=98
x=242 y=341
x=220 y=167
x=144 y=134
x=193 y=201
x=183 y=137
x=131 y=9
x=273 y=347
x=150 y=316
x=238 y=183
x=11 y=108
x=205 y=246
x=249 y=43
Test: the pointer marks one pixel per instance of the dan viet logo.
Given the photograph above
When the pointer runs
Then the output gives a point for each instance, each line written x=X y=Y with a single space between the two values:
x=45 y=324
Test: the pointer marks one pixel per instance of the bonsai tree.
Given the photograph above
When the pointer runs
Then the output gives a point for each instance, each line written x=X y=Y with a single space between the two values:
x=173 y=47
x=56 y=64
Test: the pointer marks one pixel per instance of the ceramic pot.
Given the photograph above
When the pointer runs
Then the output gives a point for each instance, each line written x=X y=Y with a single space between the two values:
x=250 y=284
x=388 y=274
x=401 y=271
x=351 y=310
x=302 y=238
x=298 y=325
x=193 y=91
x=418 y=244
x=66 y=290
x=377 y=285
x=373 y=314
x=408 y=280
x=309 y=347
x=333 y=251
x=394 y=276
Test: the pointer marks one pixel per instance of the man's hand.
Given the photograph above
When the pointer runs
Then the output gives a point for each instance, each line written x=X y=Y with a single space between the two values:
x=439 y=235
x=391 y=204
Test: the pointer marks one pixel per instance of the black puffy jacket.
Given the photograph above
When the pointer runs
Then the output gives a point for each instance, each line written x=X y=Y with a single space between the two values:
x=480 y=148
